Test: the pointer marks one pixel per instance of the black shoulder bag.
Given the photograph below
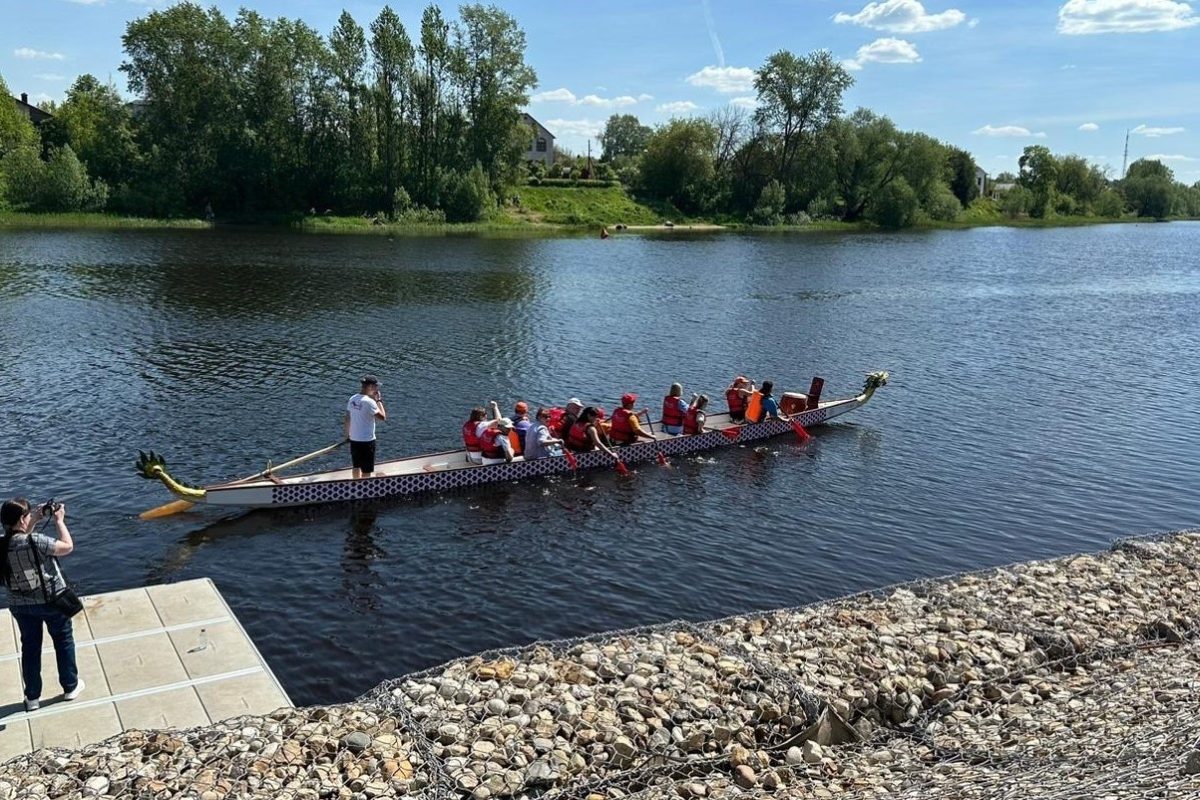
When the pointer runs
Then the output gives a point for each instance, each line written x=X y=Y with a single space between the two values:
x=66 y=601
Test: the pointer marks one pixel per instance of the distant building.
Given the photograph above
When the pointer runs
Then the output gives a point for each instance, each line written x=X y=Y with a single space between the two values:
x=1001 y=188
x=541 y=146
x=980 y=182
x=31 y=112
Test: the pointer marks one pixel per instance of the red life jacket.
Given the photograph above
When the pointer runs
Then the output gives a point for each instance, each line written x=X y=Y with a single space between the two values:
x=736 y=401
x=491 y=443
x=469 y=438
x=621 y=431
x=578 y=439
x=690 y=423
x=671 y=414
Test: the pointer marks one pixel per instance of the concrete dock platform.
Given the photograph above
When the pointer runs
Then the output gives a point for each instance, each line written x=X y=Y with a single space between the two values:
x=167 y=656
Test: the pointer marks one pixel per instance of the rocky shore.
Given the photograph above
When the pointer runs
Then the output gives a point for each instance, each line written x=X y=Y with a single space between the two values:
x=1072 y=678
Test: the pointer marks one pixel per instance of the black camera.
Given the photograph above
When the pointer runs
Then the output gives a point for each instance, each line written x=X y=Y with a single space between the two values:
x=49 y=507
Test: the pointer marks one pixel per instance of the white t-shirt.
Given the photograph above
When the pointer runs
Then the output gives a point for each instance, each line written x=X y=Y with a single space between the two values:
x=362 y=410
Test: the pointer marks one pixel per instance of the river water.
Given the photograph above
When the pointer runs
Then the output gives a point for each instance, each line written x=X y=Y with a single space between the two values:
x=1043 y=395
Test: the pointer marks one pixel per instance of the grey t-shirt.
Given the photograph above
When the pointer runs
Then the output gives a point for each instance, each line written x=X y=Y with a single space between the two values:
x=535 y=442
x=25 y=583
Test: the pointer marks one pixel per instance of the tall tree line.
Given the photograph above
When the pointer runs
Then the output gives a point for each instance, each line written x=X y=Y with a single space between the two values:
x=251 y=114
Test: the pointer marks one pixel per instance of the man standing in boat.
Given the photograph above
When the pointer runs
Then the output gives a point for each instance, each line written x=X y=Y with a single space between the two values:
x=361 y=412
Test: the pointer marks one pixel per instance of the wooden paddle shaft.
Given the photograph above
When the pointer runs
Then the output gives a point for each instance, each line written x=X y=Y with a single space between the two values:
x=293 y=462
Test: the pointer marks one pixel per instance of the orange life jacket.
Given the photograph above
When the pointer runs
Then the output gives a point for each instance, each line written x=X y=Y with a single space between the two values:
x=690 y=423
x=621 y=431
x=469 y=438
x=671 y=414
x=578 y=439
x=754 y=409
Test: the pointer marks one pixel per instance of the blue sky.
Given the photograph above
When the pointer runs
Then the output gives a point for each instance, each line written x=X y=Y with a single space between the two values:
x=991 y=77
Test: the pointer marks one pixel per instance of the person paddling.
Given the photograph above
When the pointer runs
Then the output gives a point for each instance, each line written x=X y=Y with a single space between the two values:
x=626 y=428
x=737 y=396
x=693 y=420
x=496 y=447
x=673 y=410
x=768 y=407
x=584 y=435
x=470 y=434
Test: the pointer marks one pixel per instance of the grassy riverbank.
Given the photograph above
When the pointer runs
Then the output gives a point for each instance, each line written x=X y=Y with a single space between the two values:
x=543 y=210
x=17 y=219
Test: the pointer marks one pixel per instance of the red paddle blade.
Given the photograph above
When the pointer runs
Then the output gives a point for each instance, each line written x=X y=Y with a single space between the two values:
x=622 y=469
x=801 y=434
x=731 y=433
x=571 y=459
x=662 y=460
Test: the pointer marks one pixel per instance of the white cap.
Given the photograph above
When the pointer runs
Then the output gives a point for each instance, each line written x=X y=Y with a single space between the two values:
x=574 y=401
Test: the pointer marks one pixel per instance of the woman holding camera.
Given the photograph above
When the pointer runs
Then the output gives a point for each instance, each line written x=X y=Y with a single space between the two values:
x=29 y=569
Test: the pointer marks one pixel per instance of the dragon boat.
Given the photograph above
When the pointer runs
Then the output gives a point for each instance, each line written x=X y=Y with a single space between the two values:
x=451 y=470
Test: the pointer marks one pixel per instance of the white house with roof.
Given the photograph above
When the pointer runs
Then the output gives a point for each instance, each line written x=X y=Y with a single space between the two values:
x=541 y=145
x=980 y=181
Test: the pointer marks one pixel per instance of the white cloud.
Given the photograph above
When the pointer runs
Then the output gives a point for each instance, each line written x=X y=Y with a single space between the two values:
x=1154 y=133
x=1165 y=157
x=974 y=23
x=87 y=2
x=1085 y=17
x=50 y=76
x=726 y=80
x=902 y=16
x=744 y=102
x=884 y=51
x=29 y=52
x=555 y=96
x=677 y=107
x=1089 y=127
x=569 y=97
x=1008 y=131
x=574 y=127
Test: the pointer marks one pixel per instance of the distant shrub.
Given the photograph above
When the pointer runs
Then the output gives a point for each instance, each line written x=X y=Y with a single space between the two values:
x=469 y=196
x=895 y=206
x=419 y=215
x=771 y=202
x=798 y=218
x=943 y=206
x=1016 y=202
x=582 y=183
x=1109 y=204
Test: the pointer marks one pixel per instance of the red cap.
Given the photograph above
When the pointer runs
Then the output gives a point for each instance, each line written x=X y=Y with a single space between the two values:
x=740 y=379
x=628 y=399
x=521 y=407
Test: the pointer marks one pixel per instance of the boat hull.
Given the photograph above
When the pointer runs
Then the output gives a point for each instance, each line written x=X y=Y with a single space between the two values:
x=447 y=471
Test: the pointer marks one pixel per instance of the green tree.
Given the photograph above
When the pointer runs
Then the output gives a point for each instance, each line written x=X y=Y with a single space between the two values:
x=1081 y=181
x=896 y=205
x=798 y=98
x=960 y=174
x=943 y=205
x=494 y=83
x=1039 y=174
x=1016 y=202
x=623 y=135
x=1149 y=188
x=771 y=204
x=16 y=130
x=677 y=164
x=392 y=57
x=432 y=143
x=95 y=123
x=352 y=114
x=868 y=156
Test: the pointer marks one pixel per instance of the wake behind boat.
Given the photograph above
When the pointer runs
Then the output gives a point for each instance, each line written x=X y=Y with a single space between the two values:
x=452 y=470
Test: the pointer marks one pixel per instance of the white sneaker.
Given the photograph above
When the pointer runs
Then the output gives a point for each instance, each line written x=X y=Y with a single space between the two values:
x=32 y=705
x=78 y=690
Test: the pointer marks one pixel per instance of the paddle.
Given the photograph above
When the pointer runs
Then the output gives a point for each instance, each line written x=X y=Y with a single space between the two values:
x=658 y=453
x=801 y=434
x=177 y=506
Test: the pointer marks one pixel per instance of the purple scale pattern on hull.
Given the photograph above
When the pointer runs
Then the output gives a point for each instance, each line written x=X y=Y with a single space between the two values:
x=467 y=476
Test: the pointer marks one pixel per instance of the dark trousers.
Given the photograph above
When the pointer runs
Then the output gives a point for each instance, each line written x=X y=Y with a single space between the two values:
x=30 y=620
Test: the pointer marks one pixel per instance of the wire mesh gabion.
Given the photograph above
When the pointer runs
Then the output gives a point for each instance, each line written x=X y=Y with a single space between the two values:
x=1077 y=677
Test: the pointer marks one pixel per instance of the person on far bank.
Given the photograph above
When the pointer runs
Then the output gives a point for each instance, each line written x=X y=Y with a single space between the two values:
x=362 y=410
x=29 y=569
x=673 y=410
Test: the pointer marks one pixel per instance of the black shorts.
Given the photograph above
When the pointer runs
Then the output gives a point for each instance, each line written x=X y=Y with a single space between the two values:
x=362 y=455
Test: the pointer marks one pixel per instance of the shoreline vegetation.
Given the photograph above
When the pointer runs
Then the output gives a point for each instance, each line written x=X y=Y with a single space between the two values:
x=425 y=127
x=518 y=226
x=1072 y=675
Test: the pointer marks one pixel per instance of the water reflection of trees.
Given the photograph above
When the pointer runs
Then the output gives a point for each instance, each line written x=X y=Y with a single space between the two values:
x=245 y=275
